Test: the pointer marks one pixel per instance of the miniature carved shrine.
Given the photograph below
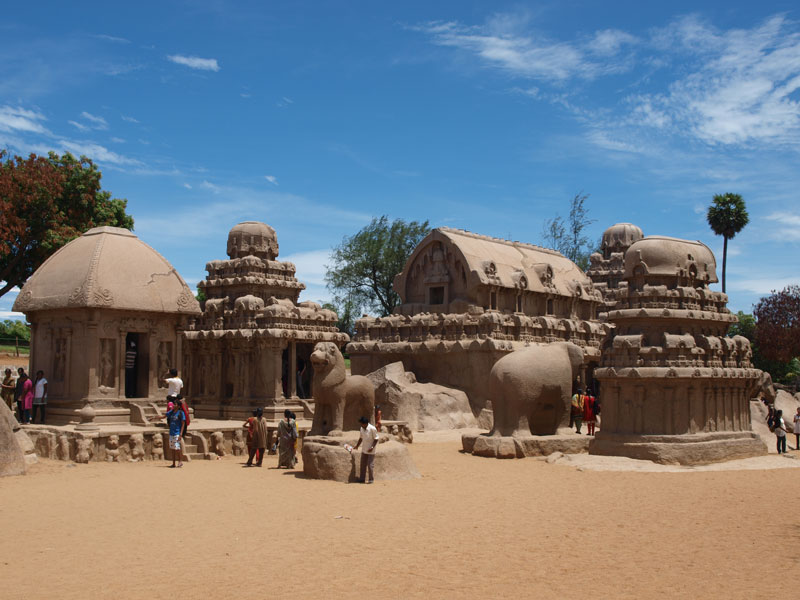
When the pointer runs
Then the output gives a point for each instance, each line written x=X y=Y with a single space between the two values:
x=106 y=314
x=253 y=342
x=607 y=266
x=468 y=300
x=673 y=388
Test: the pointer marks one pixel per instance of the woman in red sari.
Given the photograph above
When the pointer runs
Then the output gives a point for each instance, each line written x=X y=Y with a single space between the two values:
x=589 y=411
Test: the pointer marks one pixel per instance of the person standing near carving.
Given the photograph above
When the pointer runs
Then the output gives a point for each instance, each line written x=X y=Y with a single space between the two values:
x=287 y=434
x=21 y=377
x=26 y=398
x=779 y=428
x=250 y=425
x=176 y=420
x=8 y=387
x=797 y=429
x=589 y=414
x=369 y=436
x=39 y=395
x=577 y=409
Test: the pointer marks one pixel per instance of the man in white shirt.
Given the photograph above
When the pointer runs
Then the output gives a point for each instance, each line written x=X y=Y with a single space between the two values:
x=369 y=435
x=174 y=384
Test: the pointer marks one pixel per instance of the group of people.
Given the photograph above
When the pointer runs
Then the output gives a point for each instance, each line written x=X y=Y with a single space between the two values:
x=777 y=425
x=584 y=409
x=29 y=396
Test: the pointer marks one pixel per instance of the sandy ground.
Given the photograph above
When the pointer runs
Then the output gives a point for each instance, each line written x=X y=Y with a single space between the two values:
x=471 y=527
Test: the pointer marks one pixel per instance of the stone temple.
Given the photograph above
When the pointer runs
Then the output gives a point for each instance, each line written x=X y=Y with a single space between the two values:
x=253 y=342
x=468 y=300
x=607 y=269
x=674 y=388
x=106 y=312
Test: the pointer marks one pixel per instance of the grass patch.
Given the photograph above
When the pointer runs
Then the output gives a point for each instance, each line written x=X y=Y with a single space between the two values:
x=12 y=349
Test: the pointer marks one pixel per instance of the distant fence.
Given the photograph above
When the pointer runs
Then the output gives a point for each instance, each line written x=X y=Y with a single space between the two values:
x=14 y=345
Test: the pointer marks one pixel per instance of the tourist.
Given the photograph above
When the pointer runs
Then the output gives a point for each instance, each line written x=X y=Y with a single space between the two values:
x=39 y=395
x=181 y=402
x=287 y=434
x=296 y=435
x=261 y=435
x=176 y=420
x=21 y=377
x=797 y=429
x=780 y=431
x=378 y=415
x=26 y=398
x=8 y=387
x=250 y=425
x=369 y=436
x=174 y=385
x=589 y=411
x=577 y=409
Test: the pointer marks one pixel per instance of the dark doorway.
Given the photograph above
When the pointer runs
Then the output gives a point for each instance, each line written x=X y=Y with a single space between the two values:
x=305 y=370
x=137 y=365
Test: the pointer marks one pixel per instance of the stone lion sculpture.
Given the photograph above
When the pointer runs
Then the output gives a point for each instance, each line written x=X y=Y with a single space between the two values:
x=136 y=444
x=84 y=450
x=112 y=448
x=531 y=389
x=238 y=446
x=218 y=443
x=157 y=451
x=339 y=400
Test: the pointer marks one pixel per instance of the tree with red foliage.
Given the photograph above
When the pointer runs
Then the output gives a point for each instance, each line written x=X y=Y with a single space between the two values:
x=778 y=324
x=45 y=203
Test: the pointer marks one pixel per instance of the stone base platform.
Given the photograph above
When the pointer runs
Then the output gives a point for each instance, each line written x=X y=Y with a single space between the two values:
x=325 y=457
x=205 y=439
x=695 y=449
x=484 y=444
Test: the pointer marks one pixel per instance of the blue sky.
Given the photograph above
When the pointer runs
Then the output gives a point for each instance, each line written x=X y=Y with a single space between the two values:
x=489 y=116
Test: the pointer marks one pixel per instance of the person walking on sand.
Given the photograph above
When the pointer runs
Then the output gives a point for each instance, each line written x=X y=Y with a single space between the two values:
x=577 y=409
x=797 y=429
x=287 y=434
x=39 y=395
x=8 y=387
x=780 y=431
x=261 y=435
x=369 y=437
x=250 y=425
x=21 y=377
x=175 y=419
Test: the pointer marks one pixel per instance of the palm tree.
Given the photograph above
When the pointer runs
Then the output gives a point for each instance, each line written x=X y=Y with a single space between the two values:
x=727 y=216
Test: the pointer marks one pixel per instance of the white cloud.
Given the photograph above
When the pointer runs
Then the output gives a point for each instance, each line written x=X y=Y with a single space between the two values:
x=117 y=140
x=94 y=151
x=10 y=314
x=129 y=119
x=759 y=285
x=20 y=119
x=272 y=179
x=787 y=226
x=195 y=62
x=187 y=186
x=78 y=126
x=111 y=38
x=210 y=186
x=95 y=121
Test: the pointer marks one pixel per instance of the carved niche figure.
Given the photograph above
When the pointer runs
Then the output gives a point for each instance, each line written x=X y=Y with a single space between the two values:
x=107 y=356
x=136 y=444
x=63 y=447
x=238 y=443
x=60 y=359
x=84 y=450
x=340 y=400
x=157 y=451
x=112 y=448
x=164 y=361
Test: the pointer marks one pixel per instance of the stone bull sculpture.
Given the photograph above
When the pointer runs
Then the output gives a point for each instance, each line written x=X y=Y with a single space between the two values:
x=531 y=389
x=339 y=400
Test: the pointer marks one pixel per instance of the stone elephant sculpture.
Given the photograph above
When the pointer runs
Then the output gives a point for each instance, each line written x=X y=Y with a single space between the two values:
x=531 y=389
x=339 y=400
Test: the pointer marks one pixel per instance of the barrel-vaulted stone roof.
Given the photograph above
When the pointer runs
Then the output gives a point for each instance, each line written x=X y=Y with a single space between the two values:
x=662 y=256
x=504 y=263
x=107 y=267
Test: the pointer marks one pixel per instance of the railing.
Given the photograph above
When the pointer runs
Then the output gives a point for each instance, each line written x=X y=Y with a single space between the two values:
x=15 y=345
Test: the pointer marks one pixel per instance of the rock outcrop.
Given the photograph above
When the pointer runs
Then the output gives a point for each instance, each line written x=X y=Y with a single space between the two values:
x=327 y=458
x=12 y=458
x=424 y=406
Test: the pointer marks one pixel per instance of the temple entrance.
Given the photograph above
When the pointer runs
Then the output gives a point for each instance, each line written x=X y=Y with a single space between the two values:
x=137 y=365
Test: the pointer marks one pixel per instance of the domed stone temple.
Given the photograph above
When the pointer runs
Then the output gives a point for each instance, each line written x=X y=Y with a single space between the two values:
x=674 y=388
x=106 y=314
x=607 y=266
x=252 y=344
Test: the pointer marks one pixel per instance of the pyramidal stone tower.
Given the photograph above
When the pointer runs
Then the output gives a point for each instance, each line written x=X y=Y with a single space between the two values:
x=674 y=388
x=251 y=346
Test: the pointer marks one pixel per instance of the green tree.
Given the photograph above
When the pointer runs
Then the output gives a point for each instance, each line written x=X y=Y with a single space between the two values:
x=45 y=203
x=782 y=371
x=364 y=265
x=568 y=236
x=10 y=329
x=347 y=315
x=727 y=216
